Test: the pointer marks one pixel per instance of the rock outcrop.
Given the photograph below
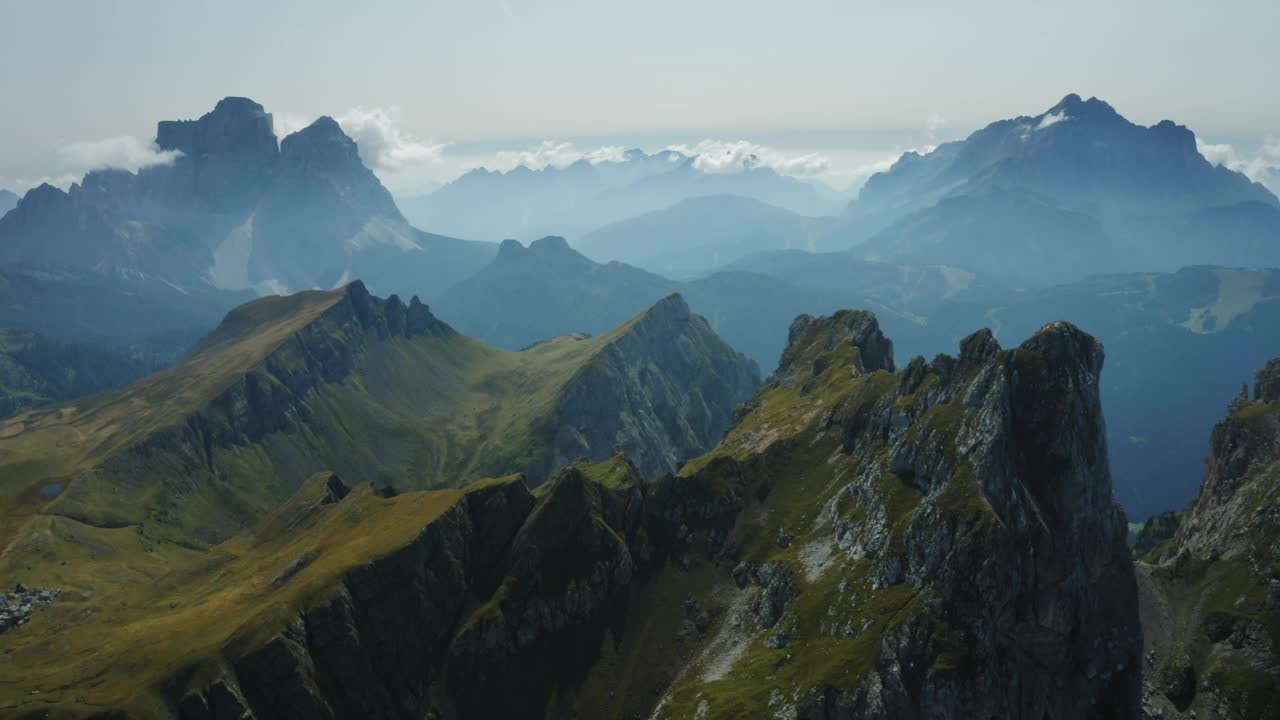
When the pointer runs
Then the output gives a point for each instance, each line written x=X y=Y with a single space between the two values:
x=16 y=607
x=1211 y=595
x=662 y=391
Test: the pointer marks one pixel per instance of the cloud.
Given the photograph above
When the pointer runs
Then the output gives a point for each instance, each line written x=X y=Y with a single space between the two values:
x=286 y=124
x=719 y=156
x=933 y=123
x=1259 y=168
x=1052 y=119
x=383 y=145
x=557 y=154
x=123 y=153
x=857 y=175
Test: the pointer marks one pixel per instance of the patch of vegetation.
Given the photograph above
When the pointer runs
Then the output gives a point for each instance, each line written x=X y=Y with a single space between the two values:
x=1155 y=540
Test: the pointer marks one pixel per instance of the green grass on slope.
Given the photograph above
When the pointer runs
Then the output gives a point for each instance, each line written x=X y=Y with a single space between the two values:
x=134 y=612
x=49 y=446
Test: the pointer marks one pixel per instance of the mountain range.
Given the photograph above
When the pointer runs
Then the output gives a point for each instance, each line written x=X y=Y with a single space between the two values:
x=1075 y=190
x=1034 y=200
x=529 y=294
x=288 y=385
x=700 y=235
x=237 y=209
x=1215 y=321
x=822 y=555
x=863 y=540
x=526 y=204
x=142 y=264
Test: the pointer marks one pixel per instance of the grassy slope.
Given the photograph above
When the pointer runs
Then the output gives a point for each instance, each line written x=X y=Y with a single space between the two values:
x=424 y=413
x=142 y=591
x=134 y=612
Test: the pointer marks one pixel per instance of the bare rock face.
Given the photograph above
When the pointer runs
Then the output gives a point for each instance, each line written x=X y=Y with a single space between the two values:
x=662 y=392
x=1211 y=601
x=1014 y=548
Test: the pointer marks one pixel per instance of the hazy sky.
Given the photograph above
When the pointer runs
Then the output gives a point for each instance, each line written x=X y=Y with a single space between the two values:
x=443 y=86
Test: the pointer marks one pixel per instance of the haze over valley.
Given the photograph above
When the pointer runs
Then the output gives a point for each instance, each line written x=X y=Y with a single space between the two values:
x=328 y=394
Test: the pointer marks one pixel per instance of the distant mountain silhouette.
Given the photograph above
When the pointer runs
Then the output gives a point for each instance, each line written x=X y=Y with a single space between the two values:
x=700 y=234
x=235 y=210
x=574 y=200
x=1053 y=197
x=8 y=201
x=530 y=294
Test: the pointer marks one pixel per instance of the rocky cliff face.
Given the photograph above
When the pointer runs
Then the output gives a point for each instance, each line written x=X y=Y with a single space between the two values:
x=662 y=392
x=225 y=159
x=953 y=548
x=1211 y=597
x=936 y=542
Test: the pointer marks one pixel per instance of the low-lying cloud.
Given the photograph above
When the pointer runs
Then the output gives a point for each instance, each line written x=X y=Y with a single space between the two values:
x=1052 y=119
x=382 y=144
x=122 y=153
x=557 y=154
x=719 y=156
x=1261 y=167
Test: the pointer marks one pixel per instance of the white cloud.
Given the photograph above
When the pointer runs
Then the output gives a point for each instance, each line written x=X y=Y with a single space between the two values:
x=932 y=124
x=383 y=145
x=1260 y=168
x=124 y=153
x=557 y=154
x=1222 y=154
x=857 y=175
x=285 y=124
x=1052 y=119
x=719 y=156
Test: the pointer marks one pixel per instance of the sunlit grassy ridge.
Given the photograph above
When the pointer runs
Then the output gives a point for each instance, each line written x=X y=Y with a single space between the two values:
x=136 y=614
x=213 y=443
x=127 y=500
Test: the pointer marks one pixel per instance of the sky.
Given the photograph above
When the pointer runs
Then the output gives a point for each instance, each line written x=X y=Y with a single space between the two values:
x=827 y=90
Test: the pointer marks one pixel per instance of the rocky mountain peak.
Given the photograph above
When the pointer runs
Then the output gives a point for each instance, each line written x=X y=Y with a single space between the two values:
x=814 y=342
x=671 y=308
x=1266 y=386
x=1093 y=109
x=551 y=244
x=44 y=198
x=391 y=317
x=321 y=143
x=509 y=250
x=234 y=125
